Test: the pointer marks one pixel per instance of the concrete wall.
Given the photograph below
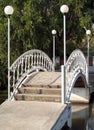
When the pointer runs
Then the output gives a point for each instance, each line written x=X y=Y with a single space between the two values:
x=80 y=95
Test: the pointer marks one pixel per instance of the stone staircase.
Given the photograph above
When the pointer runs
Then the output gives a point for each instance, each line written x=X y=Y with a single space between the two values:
x=47 y=88
x=39 y=93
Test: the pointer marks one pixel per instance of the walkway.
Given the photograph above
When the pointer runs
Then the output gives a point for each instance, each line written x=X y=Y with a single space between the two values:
x=45 y=86
x=46 y=78
x=31 y=115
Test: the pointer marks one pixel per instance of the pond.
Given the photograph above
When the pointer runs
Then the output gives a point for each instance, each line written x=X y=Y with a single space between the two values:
x=82 y=117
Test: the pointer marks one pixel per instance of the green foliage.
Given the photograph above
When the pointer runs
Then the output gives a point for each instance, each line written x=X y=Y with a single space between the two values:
x=32 y=23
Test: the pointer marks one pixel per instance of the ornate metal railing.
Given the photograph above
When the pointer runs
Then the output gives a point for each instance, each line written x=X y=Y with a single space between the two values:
x=30 y=61
x=76 y=66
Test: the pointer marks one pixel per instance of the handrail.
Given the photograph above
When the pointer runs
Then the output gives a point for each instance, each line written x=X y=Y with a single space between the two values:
x=76 y=66
x=30 y=61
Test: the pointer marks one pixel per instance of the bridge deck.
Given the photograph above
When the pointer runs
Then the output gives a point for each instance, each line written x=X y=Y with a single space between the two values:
x=47 y=79
x=23 y=115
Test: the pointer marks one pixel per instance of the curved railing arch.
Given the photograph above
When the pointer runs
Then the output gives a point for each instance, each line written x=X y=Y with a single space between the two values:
x=76 y=67
x=30 y=61
x=74 y=79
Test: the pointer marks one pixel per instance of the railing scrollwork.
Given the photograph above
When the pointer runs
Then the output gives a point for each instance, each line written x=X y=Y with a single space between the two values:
x=30 y=61
x=76 y=66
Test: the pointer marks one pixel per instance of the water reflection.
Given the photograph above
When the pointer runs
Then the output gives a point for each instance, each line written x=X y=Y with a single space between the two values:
x=80 y=114
x=82 y=117
x=90 y=122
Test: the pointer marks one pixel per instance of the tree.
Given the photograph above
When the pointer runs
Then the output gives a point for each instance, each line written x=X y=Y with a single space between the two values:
x=33 y=21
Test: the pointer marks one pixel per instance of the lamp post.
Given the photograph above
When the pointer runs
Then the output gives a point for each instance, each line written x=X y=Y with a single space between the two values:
x=54 y=33
x=8 y=11
x=64 y=9
x=88 y=33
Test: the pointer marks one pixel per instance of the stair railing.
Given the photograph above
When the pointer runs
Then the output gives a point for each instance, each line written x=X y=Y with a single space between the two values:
x=29 y=62
x=76 y=66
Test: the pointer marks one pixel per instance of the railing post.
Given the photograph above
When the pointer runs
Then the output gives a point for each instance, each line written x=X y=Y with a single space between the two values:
x=63 y=84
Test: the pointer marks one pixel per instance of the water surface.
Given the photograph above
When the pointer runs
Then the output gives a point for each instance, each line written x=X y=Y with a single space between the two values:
x=82 y=117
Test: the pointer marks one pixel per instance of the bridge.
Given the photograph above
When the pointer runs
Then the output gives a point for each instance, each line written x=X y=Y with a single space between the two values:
x=48 y=93
x=35 y=68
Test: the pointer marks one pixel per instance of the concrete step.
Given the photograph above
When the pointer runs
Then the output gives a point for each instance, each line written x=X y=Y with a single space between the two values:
x=38 y=97
x=34 y=90
x=41 y=86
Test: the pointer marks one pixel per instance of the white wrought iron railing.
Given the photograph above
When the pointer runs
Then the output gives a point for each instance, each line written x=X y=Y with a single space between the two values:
x=30 y=61
x=76 y=66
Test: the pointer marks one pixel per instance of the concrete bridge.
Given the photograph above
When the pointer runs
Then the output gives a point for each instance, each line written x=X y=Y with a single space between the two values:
x=48 y=93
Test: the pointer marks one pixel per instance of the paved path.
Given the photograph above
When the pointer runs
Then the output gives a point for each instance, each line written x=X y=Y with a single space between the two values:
x=21 y=115
x=46 y=78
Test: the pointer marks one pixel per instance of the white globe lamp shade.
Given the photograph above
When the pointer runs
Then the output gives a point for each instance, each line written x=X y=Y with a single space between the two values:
x=8 y=10
x=64 y=9
x=54 y=32
x=88 y=32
